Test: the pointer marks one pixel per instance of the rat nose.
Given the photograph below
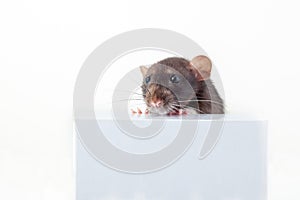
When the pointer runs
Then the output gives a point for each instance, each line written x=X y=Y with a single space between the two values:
x=156 y=103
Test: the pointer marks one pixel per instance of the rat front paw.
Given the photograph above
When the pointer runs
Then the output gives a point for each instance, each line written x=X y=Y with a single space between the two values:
x=139 y=111
x=178 y=112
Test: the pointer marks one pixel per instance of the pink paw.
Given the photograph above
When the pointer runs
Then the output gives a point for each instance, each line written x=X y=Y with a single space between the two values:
x=178 y=112
x=139 y=111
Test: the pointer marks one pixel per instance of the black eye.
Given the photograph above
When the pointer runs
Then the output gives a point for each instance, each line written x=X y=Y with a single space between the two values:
x=174 y=79
x=147 y=79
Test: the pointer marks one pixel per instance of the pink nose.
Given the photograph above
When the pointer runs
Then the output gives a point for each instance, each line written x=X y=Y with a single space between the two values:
x=156 y=103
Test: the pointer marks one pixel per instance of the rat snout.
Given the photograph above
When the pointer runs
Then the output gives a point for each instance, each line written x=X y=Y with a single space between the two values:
x=158 y=98
x=156 y=103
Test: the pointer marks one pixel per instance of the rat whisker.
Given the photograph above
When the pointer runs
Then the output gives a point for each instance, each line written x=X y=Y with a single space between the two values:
x=215 y=102
x=118 y=90
x=171 y=109
x=138 y=104
x=134 y=80
x=138 y=83
x=176 y=104
x=145 y=87
x=185 y=106
x=136 y=93
x=174 y=107
x=195 y=109
x=120 y=100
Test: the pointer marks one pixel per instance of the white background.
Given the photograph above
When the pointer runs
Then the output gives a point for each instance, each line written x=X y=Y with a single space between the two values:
x=255 y=45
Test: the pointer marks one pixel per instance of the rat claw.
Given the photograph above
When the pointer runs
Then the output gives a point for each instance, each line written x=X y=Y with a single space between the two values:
x=173 y=113
x=147 y=111
x=139 y=111
x=182 y=112
x=133 y=111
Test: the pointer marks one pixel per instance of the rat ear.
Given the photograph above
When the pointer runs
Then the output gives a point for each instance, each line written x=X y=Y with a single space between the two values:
x=203 y=66
x=144 y=70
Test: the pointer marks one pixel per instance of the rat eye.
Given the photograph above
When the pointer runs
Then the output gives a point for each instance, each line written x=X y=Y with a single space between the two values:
x=174 y=79
x=147 y=79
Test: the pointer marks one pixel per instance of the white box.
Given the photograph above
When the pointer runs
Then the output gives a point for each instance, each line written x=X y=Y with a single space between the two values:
x=234 y=169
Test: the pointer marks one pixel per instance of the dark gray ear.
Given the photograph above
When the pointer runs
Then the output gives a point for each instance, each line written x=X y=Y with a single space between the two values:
x=203 y=66
x=144 y=70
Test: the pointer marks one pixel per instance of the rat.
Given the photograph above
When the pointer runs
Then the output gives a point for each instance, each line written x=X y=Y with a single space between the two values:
x=178 y=86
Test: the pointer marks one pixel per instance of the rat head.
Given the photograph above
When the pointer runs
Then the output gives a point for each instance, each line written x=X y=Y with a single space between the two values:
x=172 y=83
